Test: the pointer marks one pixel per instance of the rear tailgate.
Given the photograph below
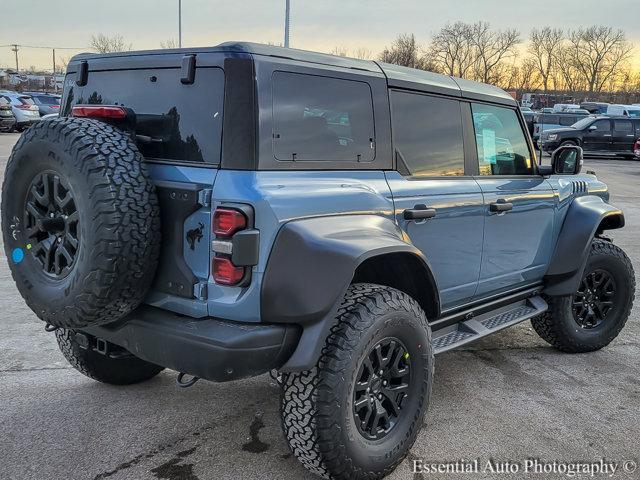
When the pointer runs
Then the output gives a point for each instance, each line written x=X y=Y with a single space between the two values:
x=178 y=127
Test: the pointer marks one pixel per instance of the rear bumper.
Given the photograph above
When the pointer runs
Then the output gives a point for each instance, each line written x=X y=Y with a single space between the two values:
x=208 y=348
x=7 y=123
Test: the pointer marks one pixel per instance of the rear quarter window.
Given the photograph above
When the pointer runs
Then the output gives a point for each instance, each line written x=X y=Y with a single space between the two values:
x=184 y=122
x=318 y=118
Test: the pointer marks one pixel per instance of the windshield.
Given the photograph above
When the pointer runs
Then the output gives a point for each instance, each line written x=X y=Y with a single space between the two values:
x=584 y=123
x=634 y=113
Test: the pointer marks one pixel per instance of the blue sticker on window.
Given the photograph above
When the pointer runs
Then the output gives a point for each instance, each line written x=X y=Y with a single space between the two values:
x=17 y=255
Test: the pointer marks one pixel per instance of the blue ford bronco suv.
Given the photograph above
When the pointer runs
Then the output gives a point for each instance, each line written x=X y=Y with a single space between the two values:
x=229 y=211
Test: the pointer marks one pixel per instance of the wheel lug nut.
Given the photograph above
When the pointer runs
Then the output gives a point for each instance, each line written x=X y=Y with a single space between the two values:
x=379 y=396
x=368 y=389
x=380 y=372
x=384 y=383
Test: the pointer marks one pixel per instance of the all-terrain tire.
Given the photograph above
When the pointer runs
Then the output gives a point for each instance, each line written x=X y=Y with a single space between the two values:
x=558 y=325
x=115 y=371
x=95 y=265
x=317 y=405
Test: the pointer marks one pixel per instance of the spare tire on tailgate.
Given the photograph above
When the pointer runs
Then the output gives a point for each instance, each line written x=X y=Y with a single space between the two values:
x=80 y=222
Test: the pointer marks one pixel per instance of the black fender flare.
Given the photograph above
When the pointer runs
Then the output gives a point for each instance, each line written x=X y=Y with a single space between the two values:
x=311 y=265
x=586 y=217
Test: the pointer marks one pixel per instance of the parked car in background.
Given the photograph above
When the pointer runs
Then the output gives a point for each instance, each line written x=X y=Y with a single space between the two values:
x=47 y=102
x=563 y=107
x=623 y=110
x=529 y=118
x=550 y=121
x=526 y=110
x=602 y=136
x=547 y=110
x=24 y=109
x=578 y=111
x=595 y=107
x=7 y=119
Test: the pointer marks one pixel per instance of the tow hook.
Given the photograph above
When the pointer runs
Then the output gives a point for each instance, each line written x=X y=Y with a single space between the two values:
x=188 y=383
x=50 y=328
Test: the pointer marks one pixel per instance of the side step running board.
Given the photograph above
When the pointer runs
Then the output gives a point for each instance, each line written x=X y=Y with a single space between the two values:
x=467 y=331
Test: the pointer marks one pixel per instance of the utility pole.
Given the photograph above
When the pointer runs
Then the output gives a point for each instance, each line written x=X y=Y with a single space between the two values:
x=14 y=48
x=287 y=23
x=53 y=78
x=179 y=23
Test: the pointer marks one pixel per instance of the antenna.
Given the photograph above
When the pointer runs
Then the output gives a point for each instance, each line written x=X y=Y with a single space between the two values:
x=287 y=22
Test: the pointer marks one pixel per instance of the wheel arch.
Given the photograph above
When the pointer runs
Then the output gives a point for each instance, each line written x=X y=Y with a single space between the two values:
x=313 y=261
x=586 y=217
x=403 y=271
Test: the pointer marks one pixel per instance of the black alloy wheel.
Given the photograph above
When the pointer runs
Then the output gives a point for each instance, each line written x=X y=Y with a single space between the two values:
x=51 y=223
x=594 y=299
x=382 y=384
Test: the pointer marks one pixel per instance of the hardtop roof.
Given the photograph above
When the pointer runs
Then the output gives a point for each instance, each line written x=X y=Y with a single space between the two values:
x=397 y=76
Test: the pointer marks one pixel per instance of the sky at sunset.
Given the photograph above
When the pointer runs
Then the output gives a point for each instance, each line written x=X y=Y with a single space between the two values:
x=316 y=24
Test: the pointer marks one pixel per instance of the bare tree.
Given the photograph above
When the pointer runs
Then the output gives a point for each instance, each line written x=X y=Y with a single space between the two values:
x=404 y=51
x=492 y=48
x=597 y=53
x=544 y=46
x=363 y=53
x=451 y=50
x=341 y=51
x=169 y=43
x=106 y=44
x=569 y=76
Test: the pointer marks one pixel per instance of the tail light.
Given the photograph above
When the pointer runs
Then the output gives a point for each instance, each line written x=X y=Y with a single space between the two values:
x=99 y=111
x=225 y=272
x=226 y=223
x=24 y=106
x=55 y=106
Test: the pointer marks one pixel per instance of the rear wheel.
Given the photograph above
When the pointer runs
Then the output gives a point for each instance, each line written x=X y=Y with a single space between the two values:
x=116 y=368
x=593 y=316
x=358 y=412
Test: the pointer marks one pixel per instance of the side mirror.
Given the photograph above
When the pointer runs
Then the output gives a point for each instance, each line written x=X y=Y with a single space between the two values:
x=567 y=160
x=593 y=128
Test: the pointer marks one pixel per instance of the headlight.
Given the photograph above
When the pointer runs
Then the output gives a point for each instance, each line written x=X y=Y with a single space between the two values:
x=553 y=136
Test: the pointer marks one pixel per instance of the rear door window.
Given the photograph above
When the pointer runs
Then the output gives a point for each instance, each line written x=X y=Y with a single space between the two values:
x=319 y=118
x=623 y=126
x=179 y=122
x=427 y=134
x=568 y=120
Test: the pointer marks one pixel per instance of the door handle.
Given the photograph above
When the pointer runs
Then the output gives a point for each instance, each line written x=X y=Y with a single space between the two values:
x=419 y=212
x=606 y=135
x=500 y=207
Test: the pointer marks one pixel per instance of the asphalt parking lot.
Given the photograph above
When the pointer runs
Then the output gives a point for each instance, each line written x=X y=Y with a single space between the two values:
x=507 y=398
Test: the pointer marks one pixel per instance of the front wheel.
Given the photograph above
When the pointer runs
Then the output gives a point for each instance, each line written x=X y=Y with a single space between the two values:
x=357 y=413
x=593 y=316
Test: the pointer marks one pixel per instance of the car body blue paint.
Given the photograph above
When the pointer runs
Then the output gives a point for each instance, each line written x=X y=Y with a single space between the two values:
x=472 y=252
x=457 y=227
x=278 y=197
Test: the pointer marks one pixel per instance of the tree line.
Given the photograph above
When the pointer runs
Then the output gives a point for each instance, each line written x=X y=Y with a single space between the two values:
x=593 y=61
x=590 y=62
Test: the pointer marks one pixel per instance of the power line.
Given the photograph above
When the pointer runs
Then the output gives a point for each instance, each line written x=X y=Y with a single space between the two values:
x=38 y=46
